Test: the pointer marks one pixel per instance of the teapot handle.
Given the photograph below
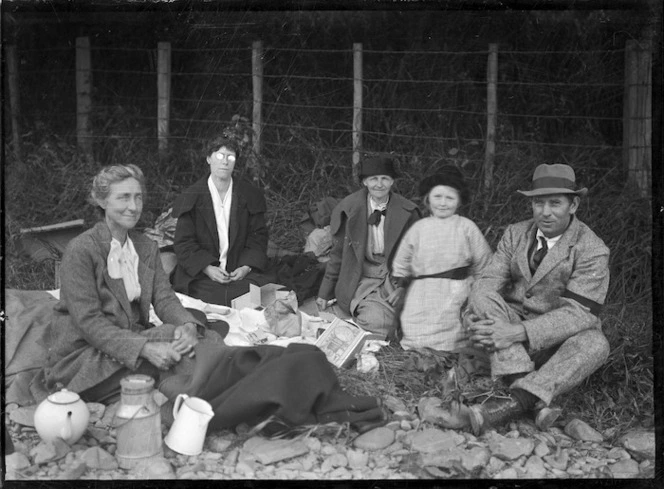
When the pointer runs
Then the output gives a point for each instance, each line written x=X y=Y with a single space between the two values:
x=178 y=403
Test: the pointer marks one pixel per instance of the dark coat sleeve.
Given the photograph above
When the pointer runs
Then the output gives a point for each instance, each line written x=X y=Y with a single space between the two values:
x=333 y=265
x=166 y=304
x=194 y=244
x=251 y=244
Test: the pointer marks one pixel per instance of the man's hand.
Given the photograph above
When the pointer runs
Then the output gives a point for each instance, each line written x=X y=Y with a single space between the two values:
x=478 y=331
x=160 y=354
x=498 y=335
x=217 y=274
x=239 y=273
x=185 y=339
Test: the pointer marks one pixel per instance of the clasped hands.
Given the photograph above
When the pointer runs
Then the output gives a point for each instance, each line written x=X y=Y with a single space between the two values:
x=223 y=277
x=492 y=334
x=165 y=355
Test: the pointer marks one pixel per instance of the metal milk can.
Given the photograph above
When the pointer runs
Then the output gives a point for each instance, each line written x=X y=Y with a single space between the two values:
x=138 y=422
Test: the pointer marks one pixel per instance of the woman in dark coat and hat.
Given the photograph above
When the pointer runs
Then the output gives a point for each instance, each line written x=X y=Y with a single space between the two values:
x=367 y=226
x=221 y=236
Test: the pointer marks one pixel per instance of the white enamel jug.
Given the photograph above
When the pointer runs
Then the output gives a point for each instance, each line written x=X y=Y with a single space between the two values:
x=192 y=416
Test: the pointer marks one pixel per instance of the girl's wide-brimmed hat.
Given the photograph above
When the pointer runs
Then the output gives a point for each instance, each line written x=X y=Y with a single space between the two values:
x=448 y=175
x=381 y=165
x=553 y=179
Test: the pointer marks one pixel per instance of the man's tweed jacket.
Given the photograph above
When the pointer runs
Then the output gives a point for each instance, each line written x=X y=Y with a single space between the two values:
x=564 y=295
x=92 y=334
x=348 y=226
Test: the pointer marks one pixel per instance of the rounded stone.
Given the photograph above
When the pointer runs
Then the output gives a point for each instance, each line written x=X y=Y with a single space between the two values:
x=375 y=439
x=625 y=469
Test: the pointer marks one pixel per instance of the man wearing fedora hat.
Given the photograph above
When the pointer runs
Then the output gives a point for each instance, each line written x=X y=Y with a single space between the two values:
x=367 y=227
x=534 y=309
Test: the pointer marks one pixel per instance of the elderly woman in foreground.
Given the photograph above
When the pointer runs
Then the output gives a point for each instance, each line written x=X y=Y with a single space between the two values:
x=221 y=236
x=110 y=276
x=367 y=226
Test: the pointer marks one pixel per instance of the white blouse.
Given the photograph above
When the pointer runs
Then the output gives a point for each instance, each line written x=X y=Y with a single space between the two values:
x=122 y=263
x=222 y=214
x=376 y=241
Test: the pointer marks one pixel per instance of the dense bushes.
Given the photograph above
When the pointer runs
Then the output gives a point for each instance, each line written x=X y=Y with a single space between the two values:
x=52 y=185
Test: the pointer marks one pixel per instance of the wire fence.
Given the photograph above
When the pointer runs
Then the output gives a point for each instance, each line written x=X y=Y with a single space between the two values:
x=416 y=104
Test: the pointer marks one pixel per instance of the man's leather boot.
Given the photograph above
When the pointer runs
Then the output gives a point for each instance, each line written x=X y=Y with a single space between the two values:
x=493 y=413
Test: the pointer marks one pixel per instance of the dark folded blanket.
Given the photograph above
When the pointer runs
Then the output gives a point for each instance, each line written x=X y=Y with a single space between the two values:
x=27 y=316
x=295 y=385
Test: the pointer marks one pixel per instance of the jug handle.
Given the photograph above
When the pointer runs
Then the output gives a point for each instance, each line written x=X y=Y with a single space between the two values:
x=178 y=403
x=65 y=434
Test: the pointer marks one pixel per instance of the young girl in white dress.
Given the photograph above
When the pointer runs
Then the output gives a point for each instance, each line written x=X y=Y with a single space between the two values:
x=437 y=261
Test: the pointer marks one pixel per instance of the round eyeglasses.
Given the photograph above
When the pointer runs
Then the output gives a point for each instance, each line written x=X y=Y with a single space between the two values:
x=220 y=156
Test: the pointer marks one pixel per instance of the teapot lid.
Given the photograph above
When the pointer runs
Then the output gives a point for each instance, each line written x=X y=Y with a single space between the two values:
x=64 y=397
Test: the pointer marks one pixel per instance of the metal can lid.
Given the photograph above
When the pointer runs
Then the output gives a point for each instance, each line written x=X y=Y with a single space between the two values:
x=137 y=383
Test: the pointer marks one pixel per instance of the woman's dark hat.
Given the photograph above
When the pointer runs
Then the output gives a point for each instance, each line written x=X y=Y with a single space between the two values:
x=553 y=179
x=450 y=176
x=378 y=166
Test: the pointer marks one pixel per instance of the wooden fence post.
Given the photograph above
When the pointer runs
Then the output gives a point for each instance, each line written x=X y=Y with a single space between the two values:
x=357 y=108
x=83 y=96
x=637 y=115
x=629 y=96
x=644 y=133
x=257 y=122
x=14 y=107
x=491 y=114
x=164 y=95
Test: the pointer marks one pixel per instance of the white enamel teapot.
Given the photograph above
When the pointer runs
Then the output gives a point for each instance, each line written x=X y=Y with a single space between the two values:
x=62 y=415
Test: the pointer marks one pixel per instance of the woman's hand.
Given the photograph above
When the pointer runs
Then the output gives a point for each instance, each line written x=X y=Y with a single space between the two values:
x=185 y=339
x=322 y=304
x=160 y=354
x=217 y=274
x=239 y=273
x=396 y=298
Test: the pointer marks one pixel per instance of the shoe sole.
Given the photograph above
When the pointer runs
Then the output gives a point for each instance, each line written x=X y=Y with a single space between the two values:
x=476 y=420
x=546 y=417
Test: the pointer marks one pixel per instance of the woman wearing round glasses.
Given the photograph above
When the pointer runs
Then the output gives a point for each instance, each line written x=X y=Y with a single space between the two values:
x=221 y=236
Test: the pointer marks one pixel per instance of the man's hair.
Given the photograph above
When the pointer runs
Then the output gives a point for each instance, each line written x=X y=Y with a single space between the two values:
x=569 y=197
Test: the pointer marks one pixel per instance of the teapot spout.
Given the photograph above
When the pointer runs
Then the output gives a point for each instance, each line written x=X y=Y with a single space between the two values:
x=66 y=431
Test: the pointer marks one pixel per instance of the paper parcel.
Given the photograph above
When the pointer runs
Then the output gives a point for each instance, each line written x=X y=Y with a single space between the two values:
x=260 y=296
x=342 y=341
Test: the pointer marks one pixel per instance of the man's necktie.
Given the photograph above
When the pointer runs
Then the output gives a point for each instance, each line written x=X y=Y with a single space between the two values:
x=541 y=253
x=374 y=218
